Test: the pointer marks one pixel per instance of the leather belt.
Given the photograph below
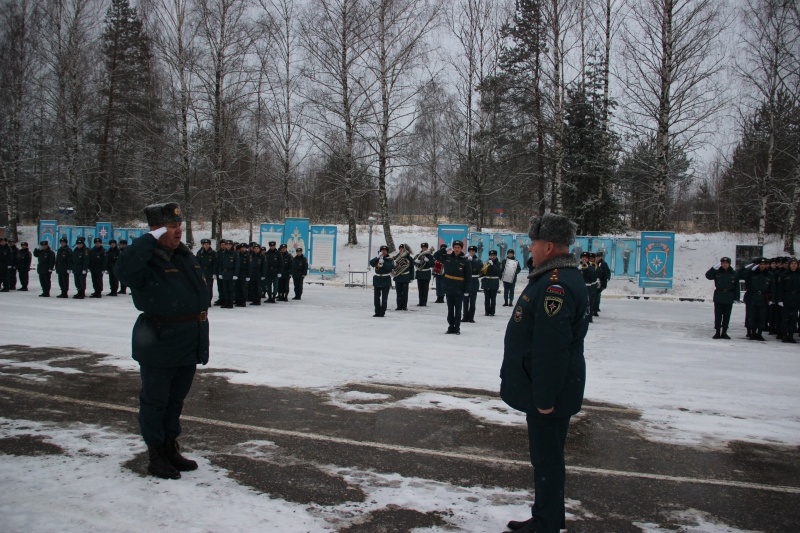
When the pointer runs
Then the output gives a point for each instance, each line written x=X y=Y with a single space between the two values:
x=381 y=275
x=177 y=319
x=448 y=276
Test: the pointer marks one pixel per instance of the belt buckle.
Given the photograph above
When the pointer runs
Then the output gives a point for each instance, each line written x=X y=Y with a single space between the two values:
x=203 y=316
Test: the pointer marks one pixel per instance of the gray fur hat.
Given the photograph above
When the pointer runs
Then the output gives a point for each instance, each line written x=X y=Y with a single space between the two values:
x=553 y=228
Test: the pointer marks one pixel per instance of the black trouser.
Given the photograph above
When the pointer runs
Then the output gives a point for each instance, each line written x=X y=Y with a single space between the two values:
x=24 y=278
x=254 y=290
x=546 y=439
x=758 y=317
x=469 y=306
x=508 y=293
x=722 y=315
x=422 y=286
x=790 y=316
x=241 y=291
x=271 y=283
x=774 y=318
x=63 y=282
x=210 y=285
x=113 y=281
x=161 y=401
x=597 y=299
x=44 y=281
x=283 y=284
x=80 y=282
x=489 y=301
x=5 y=278
x=225 y=291
x=381 y=299
x=298 y=285
x=97 y=281
x=12 y=277
x=401 y=288
x=454 y=310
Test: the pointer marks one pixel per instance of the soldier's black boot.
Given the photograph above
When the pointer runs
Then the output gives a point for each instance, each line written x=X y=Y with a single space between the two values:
x=62 y=295
x=789 y=338
x=758 y=336
x=159 y=465
x=724 y=334
x=517 y=525
x=173 y=454
x=716 y=334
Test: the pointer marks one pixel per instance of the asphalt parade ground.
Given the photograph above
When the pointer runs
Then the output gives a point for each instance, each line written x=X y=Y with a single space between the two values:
x=620 y=479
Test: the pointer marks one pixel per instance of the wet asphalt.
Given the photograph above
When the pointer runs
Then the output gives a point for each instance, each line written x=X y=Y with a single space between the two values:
x=620 y=478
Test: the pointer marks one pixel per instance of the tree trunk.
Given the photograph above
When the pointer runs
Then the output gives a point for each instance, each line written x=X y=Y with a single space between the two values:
x=664 y=110
x=558 y=120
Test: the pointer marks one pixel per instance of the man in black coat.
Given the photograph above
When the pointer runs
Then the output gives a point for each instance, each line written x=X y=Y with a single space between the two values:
x=299 y=271
x=726 y=291
x=63 y=267
x=286 y=273
x=12 y=273
x=544 y=370
x=123 y=245
x=206 y=257
x=98 y=263
x=603 y=276
x=46 y=263
x=170 y=336
x=273 y=271
x=381 y=280
x=112 y=256
x=80 y=266
x=6 y=260
x=456 y=277
x=245 y=273
x=789 y=299
x=423 y=263
x=227 y=271
x=470 y=301
x=490 y=282
x=256 y=274
x=760 y=292
x=24 y=260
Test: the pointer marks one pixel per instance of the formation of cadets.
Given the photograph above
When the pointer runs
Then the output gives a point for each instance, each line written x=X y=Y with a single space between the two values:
x=244 y=273
x=596 y=274
x=771 y=298
x=459 y=276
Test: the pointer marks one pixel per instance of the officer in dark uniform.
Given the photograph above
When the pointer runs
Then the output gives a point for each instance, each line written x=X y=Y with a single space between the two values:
x=403 y=274
x=227 y=269
x=789 y=299
x=80 y=266
x=63 y=267
x=245 y=273
x=46 y=264
x=544 y=370
x=423 y=263
x=112 y=256
x=206 y=257
x=760 y=291
x=24 y=260
x=170 y=337
x=273 y=271
x=457 y=274
x=470 y=301
x=98 y=263
x=490 y=282
x=299 y=271
x=256 y=274
x=5 y=265
x=603 y=275
x=381 y=280
x=726 y=291
x=12 y=273
x=286 y=273
x=439 y=277
x=123 y=244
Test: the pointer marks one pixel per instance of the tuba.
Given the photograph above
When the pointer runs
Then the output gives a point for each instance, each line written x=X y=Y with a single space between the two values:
x=402 y=262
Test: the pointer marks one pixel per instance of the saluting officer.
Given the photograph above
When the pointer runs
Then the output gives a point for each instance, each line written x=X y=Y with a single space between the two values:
x=112 y=256
x=544 y=370
x=46 y=263
x=474 y=274
x=381 y=280
x=206 y=257
x=490 y=282
x=170 y=336
x=80 y=266
x=457 y=274
x=98 y=263
x=726 y=291
x=299 y=271
x=63 y=267
x=423 y=263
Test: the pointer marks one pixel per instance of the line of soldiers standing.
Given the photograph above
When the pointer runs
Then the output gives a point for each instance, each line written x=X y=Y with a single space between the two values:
x=250 y=272
x=772 y=297
x=596 y=274
x=80 y=261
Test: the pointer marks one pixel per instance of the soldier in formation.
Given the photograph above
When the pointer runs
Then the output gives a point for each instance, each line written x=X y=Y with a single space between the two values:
x=726 y=291
x=474 y=274
x=245 y=273
x=24 y=260
x=206 y=258
x=227 y=271
x=590 y=279
x=403 y=273
x=299 y=272
x=423 y=266
x=257 y=275
x=80 y=267
x=603 y=275
x=788 y=297
x=46 y=263
x=112 y=256
x=381 y=280
x=63 y=267
x=273 y=265
x=286 y=273
x=123 y=244
x=490 y=282
x=760 y=285
x=438 y=273
x=6 y=260
x=457 y=274
x=98 y=264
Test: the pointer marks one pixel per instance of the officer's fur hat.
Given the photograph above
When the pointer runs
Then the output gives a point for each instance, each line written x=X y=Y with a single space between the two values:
x=553 y=228
x=163 y=214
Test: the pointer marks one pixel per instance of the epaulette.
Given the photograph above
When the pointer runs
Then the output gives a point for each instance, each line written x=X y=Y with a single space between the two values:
x=554 y=276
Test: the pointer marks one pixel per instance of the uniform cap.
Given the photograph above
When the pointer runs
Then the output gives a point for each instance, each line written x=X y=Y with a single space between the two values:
x=793 y=260
x=123 y=241
x=299 y=250
x=45 y=243
x=254 y=243
x=584 y=254
x=763 y=260
x=205 y=241
x=272 y=243
x=442 y=246
x=599 y=254
x=424 y=245
x=510 y=252
x=384 y=247
x=725 y=260
x=63 y=239
x=458 y=243
x=98 y=239
x=403 y=246
x=472 y=248
x=492 y=252
x=112 y=241
x=553 y=228
x=80 y=240
x=282 y=246
x=23 y=244
x=163 y=214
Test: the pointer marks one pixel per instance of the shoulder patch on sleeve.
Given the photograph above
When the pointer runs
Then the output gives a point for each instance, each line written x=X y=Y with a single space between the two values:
x=552 y=305
x=555 y=289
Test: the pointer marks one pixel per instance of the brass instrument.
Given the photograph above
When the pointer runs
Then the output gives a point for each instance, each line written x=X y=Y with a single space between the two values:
x=402 y=262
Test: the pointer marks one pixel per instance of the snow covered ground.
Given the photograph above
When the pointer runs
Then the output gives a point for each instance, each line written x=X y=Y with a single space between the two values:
x=654 y=356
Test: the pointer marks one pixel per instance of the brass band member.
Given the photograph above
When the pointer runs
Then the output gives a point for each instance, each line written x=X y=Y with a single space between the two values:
x=403 y=273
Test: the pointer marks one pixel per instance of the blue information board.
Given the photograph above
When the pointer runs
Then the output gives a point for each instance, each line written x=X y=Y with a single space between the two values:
x=656 y=259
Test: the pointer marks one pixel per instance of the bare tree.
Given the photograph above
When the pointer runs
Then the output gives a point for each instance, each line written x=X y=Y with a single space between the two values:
x=335 y=35
x=671 y=84
x=400 y=29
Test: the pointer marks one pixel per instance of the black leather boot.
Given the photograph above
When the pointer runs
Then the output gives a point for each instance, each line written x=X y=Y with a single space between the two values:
x=725 y=334
x=159 y=465
x=173 y=454
x=716 y=334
